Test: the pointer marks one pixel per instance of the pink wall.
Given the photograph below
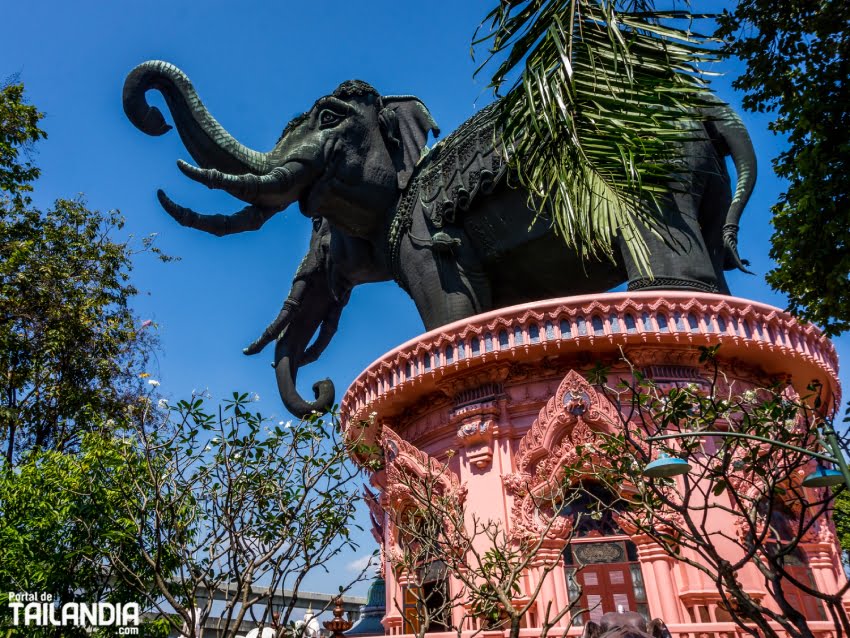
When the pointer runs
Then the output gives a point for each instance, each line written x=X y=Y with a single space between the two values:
x=492 y=389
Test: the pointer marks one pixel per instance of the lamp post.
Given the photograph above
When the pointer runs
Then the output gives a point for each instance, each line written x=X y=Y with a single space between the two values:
x=666 y=466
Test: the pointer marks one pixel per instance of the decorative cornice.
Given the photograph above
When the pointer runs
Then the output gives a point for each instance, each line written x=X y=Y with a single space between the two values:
x=757 y=335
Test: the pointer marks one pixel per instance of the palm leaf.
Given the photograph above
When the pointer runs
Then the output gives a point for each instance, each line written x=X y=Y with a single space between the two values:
x=605 y=94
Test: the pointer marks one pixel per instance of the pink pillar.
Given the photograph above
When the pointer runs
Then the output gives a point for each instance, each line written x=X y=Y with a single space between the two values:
x=822 y=562
x=657 y=569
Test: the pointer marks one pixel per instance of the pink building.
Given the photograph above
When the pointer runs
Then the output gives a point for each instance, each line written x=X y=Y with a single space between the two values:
x=506 y=392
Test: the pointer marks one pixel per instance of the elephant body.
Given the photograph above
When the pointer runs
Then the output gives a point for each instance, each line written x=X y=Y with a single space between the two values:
x=447 y=224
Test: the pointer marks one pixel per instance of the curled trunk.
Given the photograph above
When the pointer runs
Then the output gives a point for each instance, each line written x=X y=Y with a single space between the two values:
x=287 y=360
x=206 y=140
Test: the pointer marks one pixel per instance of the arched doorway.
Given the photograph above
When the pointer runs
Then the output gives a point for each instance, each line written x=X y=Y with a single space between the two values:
x=602 y=569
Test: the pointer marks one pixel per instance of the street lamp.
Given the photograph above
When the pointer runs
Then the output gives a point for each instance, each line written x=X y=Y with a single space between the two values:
x=666 y=466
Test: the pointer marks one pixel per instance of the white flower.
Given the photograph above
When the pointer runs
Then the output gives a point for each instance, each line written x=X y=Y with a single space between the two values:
x=254 y=397
x=153 y=382
x=749 y=396
x=162 y=404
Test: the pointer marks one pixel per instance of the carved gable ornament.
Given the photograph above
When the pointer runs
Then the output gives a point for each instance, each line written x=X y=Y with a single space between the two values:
x=564 y=433
x=408 y=467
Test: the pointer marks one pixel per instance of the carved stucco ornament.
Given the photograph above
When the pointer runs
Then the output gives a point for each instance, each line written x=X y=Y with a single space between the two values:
x=476 y=436
x=565 y=434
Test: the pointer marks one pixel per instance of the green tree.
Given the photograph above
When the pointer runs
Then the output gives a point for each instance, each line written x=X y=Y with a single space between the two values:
x=70 y=348
x=62 y=518
x=18 y=131
x=796 y=57
x=841 y=516
x=71 y=356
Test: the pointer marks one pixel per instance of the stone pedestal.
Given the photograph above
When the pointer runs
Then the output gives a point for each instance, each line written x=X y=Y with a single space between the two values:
x=502 y=398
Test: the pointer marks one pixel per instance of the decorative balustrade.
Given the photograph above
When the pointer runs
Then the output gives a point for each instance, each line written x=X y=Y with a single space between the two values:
x=702 y=630
x=598 y=322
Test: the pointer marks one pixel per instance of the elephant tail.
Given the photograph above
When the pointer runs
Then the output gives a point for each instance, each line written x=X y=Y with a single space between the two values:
x=735 y=141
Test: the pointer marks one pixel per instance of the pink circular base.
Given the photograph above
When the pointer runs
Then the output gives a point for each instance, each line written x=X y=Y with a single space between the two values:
x=491 y=389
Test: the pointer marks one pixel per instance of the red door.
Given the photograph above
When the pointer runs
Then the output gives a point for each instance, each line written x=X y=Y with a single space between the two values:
x=602 y=578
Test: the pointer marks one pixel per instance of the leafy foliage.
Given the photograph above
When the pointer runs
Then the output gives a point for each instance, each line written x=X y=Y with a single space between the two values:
x=797 y=61
x=226 y=499
x=70 y=360
x=70 y=352
x=71 y=349
x=18 y=131
x=841 y=516
x=62 y=517
x=596 y=120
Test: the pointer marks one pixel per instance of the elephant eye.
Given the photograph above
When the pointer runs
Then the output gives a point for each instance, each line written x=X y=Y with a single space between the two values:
x=329 y=118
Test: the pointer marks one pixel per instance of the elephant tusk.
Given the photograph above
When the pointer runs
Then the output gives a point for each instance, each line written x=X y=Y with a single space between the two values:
x=247 y=187
x=249 y=218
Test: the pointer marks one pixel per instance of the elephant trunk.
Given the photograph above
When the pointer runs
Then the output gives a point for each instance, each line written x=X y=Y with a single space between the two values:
x=206 y=140
x=287 y=360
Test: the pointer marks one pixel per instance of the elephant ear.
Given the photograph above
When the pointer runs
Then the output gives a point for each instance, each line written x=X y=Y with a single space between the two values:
x=591 y=630
x=406 y=122
x=657 y=629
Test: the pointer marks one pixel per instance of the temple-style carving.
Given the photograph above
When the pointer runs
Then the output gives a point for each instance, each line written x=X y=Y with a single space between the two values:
x=407 y=466
x=504 y=424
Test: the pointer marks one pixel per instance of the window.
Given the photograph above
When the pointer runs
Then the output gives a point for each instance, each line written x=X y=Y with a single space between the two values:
x=430 y=596
x=783 y=529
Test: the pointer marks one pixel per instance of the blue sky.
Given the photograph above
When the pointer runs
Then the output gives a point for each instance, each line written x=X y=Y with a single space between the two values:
x=255 y=65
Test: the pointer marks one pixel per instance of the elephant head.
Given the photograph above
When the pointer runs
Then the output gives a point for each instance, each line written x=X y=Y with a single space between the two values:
x=625 y=624
x=346 y=159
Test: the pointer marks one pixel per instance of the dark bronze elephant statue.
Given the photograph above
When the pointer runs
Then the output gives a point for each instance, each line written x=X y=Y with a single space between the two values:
x=625 y=624
x=445 y=223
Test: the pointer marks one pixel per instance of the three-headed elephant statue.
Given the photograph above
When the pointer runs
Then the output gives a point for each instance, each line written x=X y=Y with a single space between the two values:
x=446 y=223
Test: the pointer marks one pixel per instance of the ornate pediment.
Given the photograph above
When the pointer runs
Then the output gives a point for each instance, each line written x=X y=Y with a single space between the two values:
x=565 y=433
x=568 y=419
x=409 y=468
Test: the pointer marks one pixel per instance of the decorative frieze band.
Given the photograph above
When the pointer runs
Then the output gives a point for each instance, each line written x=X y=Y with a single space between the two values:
x=588 y=322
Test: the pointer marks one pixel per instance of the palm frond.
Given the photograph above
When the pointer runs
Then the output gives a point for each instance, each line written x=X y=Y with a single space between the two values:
x=605 y=94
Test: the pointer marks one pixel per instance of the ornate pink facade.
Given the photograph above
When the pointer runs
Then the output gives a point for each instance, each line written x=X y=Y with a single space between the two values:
x=506 y=392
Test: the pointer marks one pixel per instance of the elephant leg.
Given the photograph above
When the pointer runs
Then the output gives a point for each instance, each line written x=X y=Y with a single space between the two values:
x=447 y=283
x=679 y=257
